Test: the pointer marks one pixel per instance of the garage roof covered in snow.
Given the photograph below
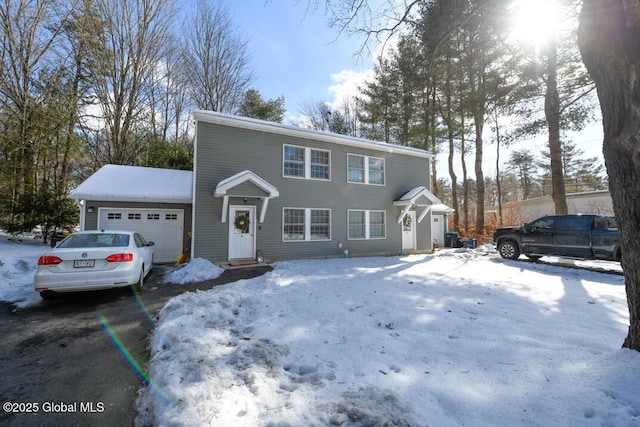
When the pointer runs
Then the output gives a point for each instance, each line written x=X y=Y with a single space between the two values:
x=136 y=184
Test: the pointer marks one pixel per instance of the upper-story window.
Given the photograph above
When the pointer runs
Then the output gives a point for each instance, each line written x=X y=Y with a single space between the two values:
x=306 y=162
x=365 y=169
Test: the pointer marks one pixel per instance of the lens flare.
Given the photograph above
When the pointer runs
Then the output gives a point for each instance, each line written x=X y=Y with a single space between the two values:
x=132 y=361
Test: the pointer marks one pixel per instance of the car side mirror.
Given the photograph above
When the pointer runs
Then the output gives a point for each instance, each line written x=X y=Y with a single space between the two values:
x=150 y=244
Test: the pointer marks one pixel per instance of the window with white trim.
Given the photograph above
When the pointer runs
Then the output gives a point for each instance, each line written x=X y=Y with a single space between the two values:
x=306 y=224
x=306 y=163
x=365 y=224
x=365 y=169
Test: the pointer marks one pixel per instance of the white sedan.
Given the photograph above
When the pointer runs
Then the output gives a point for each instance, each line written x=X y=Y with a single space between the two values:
x=92 y=260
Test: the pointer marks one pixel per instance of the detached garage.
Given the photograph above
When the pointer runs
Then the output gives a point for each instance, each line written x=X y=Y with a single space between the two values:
x=154 y=202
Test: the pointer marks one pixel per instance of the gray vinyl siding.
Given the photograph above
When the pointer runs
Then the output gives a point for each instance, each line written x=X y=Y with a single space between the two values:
x=223 y=151
x=91 y=219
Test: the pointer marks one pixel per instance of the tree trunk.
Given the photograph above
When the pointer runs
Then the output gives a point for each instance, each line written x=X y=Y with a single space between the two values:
x=609 y=40
x=552 y=114
x=498 y=189
x=465 y=179
x=479 y=122
x=454 y=182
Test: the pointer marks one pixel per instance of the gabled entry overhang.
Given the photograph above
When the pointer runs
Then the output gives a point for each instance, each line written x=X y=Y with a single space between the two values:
x=417 y=198
x=227 y=188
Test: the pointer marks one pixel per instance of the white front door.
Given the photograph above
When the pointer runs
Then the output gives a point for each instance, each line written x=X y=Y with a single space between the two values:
x=409 y=231
x=242 y=226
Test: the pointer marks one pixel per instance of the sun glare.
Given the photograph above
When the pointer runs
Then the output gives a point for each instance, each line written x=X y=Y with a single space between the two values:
x=535 y=21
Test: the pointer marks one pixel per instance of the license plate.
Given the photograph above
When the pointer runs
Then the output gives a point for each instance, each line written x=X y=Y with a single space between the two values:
x=84 y=263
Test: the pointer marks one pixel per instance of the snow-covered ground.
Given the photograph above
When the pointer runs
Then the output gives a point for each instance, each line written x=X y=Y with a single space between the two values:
x=460 y=337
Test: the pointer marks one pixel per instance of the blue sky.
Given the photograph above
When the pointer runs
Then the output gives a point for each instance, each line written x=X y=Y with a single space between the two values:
x=295 y=54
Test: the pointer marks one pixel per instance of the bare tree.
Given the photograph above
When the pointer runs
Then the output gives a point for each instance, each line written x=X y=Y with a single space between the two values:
x=30 y=31
x=317 y=115
x=130 y=38
x=215 y=59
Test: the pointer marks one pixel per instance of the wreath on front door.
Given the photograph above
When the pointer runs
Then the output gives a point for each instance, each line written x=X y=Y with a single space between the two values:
x=407 y=221
x=242 y=223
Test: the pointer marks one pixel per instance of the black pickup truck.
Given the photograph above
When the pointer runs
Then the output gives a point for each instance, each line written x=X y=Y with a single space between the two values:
x=575 y=236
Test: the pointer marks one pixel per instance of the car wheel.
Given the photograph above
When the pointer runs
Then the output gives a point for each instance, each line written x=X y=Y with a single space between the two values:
x=140 y=284
x=48 y=295
x=509 y=249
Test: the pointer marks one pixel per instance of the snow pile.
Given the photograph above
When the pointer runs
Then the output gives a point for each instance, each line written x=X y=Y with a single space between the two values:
x=18 y=261
x=197 y=270
x=461 y=337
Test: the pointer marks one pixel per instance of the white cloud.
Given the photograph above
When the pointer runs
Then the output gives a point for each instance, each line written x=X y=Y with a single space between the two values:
x=347 y=84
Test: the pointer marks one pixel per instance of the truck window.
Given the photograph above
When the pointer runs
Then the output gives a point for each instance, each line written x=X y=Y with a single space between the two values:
x=542 y=224
x=605 y=222
x=571 y=223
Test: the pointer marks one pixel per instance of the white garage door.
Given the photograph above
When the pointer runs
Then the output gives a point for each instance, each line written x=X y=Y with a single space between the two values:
x=164 y=227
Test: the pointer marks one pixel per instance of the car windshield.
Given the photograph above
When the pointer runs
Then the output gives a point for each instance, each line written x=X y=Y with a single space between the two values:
x=95 y=240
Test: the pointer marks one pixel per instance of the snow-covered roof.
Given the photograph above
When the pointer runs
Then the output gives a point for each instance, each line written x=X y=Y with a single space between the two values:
x=136 y=184
x=441 y=208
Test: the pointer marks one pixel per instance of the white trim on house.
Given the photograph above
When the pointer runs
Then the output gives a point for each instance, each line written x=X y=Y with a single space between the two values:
x=296 y=132
x=233 y=181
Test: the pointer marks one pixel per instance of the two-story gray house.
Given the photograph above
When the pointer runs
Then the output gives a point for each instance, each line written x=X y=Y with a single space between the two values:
x=263 y=189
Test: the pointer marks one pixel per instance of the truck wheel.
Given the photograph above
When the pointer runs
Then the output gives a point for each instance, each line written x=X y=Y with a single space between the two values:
x=509 y=249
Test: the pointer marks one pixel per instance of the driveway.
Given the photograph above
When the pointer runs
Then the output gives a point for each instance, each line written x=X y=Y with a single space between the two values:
x=62 y=362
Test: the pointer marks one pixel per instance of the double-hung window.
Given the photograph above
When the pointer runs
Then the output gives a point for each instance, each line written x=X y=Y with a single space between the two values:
x=365 y=169
x=306 y=163
x=306 y=224
x=363 y=224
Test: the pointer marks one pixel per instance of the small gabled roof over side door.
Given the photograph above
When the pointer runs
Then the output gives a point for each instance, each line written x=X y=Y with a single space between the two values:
x=420 y=197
